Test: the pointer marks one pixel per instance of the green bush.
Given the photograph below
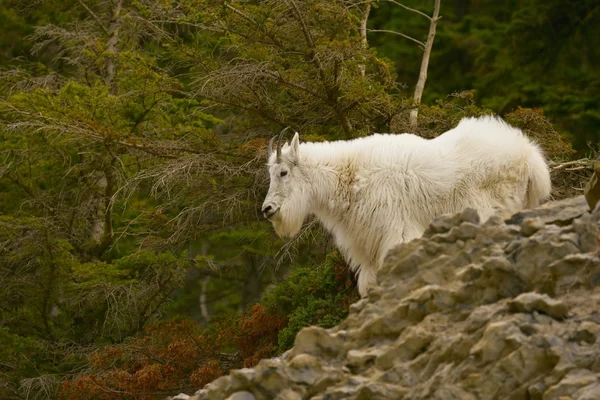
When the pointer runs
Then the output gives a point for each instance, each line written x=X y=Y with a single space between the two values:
x=312 y=296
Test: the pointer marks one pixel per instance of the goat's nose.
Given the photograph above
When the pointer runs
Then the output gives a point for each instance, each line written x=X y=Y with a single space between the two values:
x=266 y=209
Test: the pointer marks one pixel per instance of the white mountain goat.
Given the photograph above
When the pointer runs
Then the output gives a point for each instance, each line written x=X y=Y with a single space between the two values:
x=375 y=192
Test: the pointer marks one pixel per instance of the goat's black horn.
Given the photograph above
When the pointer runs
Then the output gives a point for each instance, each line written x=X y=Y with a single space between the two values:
x=279 y=144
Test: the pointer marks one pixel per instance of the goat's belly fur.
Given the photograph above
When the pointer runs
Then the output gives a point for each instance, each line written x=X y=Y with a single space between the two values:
x=392 y=186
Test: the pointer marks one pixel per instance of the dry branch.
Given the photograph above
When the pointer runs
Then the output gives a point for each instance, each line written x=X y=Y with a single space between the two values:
x=421 y=44
x=410 y=9
x=574 y=165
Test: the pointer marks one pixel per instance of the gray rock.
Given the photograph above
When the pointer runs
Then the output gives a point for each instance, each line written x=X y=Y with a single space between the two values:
x=574 y=271
x=529 y=302
x=442 y=224
x=529 y=226
x=180 y=396
x=467 y=230
x=288 y=394
x=561 y=212
x=499 y=310
x=590 y=392
x=470 y=215
x=318 y=342
x=360 y=359
x=243 y=395
x=588 y=232
x=572 y=383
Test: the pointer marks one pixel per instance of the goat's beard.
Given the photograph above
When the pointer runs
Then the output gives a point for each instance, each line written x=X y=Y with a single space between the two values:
x=288 y=221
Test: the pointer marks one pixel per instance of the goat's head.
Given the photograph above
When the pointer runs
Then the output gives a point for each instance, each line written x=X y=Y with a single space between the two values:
x=286 y=203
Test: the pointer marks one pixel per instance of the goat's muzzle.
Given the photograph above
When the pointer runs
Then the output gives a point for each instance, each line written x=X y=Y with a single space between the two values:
x=268 y=211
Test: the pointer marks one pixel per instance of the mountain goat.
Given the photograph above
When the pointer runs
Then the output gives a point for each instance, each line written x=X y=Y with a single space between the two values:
x=375 y=192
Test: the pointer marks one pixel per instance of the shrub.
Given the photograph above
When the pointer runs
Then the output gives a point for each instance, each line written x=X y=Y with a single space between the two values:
x=312 y=296
x=181 y=355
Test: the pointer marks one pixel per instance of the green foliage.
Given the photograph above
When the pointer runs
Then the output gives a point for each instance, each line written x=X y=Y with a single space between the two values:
x=312 y=296
x=15 y=29
x=54 y=307
x=533 y=53
x=307 y=59
x=133 y=140
x=538 y=127
x=180 y=355
x=20 y=355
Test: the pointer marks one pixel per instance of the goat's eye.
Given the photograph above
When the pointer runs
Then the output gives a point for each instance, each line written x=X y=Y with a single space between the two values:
x=283 y=173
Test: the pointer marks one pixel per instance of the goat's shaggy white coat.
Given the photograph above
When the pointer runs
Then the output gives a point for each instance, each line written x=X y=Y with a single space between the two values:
x=375 y=192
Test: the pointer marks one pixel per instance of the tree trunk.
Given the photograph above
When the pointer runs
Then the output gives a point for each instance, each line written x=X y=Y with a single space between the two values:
x=102 y=233
x=204 y=287
x=98 y=224
x=425 y=64
x=111 y=48
x=102 y=230
x=363 y=33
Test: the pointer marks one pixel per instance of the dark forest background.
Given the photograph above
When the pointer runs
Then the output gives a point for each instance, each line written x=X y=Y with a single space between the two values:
x=134 y=262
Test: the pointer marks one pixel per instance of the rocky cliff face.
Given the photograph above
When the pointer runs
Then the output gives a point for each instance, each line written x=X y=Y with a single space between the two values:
x=499 y=310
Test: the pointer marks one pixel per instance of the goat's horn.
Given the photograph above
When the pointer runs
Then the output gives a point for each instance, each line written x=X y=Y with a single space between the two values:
x=279 y=144
x=271 y=145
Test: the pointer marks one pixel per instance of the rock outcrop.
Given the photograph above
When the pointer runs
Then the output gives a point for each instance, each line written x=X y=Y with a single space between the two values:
x=499 y=310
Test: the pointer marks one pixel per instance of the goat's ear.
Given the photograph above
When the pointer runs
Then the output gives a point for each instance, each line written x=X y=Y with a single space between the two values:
x=294 y=148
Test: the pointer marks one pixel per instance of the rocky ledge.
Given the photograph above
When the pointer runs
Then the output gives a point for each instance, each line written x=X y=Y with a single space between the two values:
x=499 y=310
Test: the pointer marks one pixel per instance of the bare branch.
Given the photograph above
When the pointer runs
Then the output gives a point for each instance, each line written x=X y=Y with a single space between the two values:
x=40 y=387
x=421 y=44
x=82 y=129
x=308 y=233
x=280 y=78
x=411 y=9
x=574 y=165
x=93 y=14
x=241 y=14
x=305 y=29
